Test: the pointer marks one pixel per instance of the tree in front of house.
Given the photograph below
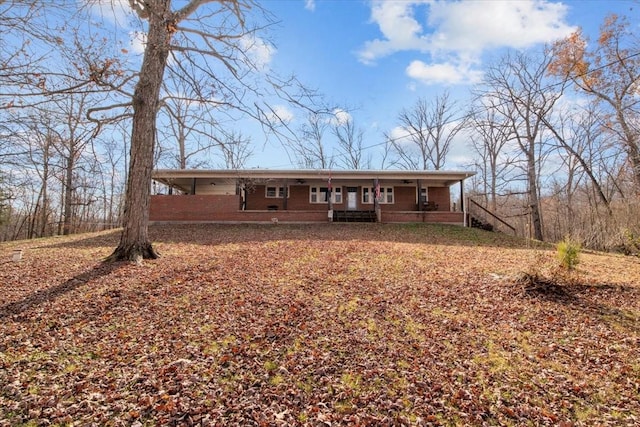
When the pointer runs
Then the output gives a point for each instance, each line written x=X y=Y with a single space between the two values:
x=213 y=46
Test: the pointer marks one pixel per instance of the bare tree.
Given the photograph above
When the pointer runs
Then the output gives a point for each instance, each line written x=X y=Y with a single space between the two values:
x=187 y=128
x=524 y=96
x=490 y=134
x=34 y=140
x=112 y=174
x=235 y=149
x=574 y=136
x=350 y=144
x=221 y=46
x=75 y=133
x=608 y=70
x=430 y=128
x=311 y=151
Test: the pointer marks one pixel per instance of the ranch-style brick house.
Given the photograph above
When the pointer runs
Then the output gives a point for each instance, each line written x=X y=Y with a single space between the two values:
x=263 y=195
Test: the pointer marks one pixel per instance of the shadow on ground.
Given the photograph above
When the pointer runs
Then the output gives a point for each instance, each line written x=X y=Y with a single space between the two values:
x=40 y=297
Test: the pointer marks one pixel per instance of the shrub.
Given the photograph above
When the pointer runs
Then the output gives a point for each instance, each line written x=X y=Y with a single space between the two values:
x=568 y=253
x=630 y=243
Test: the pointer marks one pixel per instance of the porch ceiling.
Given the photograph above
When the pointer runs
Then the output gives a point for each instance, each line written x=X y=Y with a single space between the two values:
x=183 y=178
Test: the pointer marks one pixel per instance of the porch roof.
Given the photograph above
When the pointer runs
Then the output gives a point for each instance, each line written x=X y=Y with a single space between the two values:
x=183 y=178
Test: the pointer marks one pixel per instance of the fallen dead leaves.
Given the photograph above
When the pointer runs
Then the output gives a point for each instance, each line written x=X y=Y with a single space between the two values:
x=358 y=324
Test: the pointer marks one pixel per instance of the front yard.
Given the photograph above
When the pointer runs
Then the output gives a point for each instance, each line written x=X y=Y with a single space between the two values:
x=333 y=324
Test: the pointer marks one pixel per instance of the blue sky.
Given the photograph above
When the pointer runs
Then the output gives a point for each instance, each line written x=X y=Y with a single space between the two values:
x=374 y=58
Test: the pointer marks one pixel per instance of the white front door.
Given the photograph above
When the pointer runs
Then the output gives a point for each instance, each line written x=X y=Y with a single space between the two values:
x=352 y=198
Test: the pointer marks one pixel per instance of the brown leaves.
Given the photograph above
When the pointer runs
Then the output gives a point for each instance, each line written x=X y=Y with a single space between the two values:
x=314 y=325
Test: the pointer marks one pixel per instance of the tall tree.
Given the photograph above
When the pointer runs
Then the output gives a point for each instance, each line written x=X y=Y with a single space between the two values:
x=188 y=128
x=525 y=96
x=224 y=47
x=608 y=70
x=162 y=25
x=75 y=134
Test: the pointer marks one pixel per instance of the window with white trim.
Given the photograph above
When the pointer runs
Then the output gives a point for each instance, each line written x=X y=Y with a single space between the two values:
x=274 y=192
x=319 y=195
x=386 y=195
x=337 y=195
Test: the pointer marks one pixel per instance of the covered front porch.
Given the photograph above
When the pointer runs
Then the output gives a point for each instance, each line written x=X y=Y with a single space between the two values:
x=259 y=195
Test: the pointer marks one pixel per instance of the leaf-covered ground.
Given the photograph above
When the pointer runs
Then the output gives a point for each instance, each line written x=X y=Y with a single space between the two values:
x=342 y=324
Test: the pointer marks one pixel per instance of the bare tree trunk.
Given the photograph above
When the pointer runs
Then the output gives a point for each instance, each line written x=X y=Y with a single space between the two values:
x=534 y=202
x=134 y=241
x=68 y=194
x=45 y=196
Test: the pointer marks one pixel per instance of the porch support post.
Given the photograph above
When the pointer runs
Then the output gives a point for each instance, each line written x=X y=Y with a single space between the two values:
x=329 y=199
x=193 y=186
x=285 y=192
x=419 y=185
x=463 y=205
x=376 y=205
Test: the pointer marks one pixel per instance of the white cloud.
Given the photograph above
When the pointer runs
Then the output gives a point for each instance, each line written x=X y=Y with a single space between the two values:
x=400 y=135
x=310 y=5
x=115 y=11
x=472 y=26
x=282 y=113
x=340 y=117
x=259 y=51
x=400 y=29
x=443 y=73
x=454 y=34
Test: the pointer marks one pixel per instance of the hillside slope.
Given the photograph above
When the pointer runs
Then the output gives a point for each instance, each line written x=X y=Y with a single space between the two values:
x=341 y=324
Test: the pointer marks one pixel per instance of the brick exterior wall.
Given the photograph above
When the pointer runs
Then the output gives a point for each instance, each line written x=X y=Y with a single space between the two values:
x=224 y=209
x=404 y=198
x=192 y=207
x=441 y=196
x=227 y=208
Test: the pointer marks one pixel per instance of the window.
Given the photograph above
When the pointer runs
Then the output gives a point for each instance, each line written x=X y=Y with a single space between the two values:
x=366 y=195
x=423 y=195
x=337 y=195
x=319 y=195
x=386 y=195
x=273 y=192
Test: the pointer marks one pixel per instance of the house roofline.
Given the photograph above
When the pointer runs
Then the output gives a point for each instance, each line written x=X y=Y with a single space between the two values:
x=440 y=175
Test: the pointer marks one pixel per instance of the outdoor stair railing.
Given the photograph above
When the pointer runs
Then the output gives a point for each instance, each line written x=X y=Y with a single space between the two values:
x=478 y=218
